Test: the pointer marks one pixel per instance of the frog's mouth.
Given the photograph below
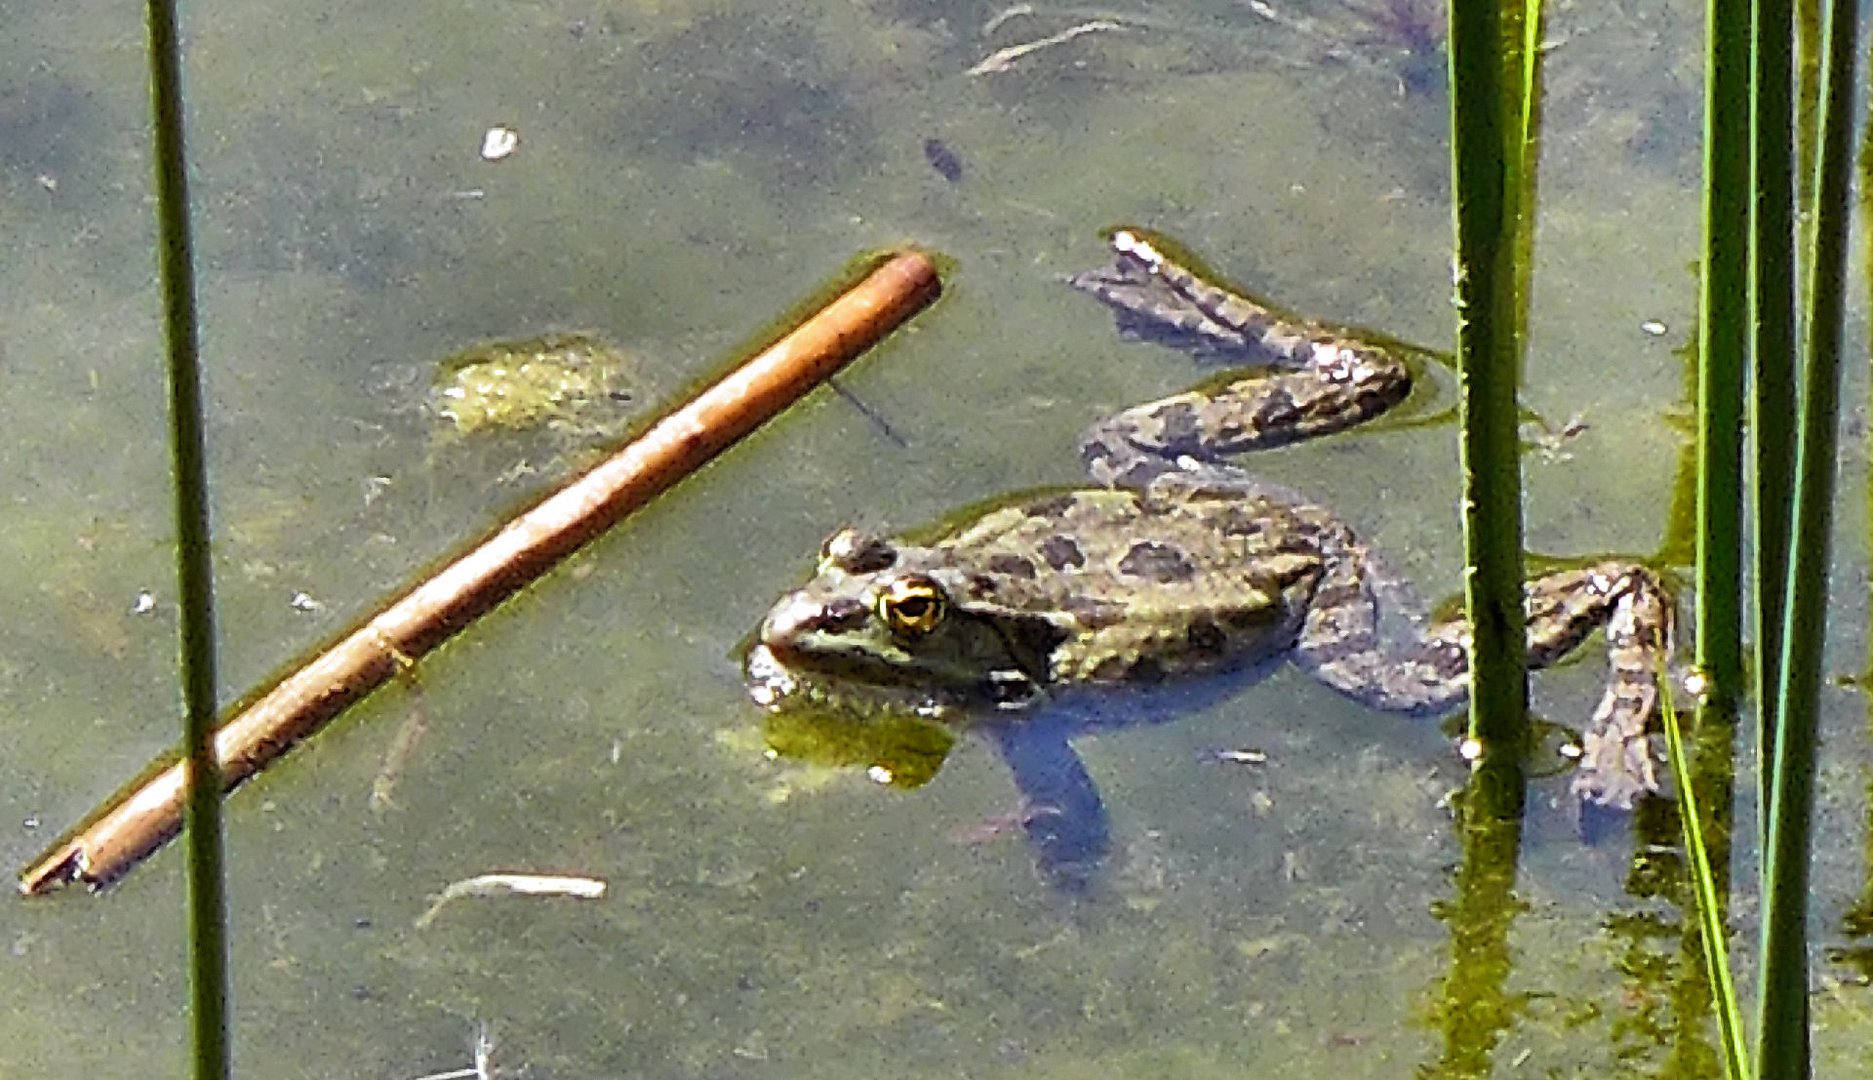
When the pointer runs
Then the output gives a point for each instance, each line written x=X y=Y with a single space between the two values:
x=888 y=675
x=777 y=684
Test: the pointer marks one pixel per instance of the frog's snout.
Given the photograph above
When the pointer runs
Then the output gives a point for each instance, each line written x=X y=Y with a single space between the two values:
x=800 y=617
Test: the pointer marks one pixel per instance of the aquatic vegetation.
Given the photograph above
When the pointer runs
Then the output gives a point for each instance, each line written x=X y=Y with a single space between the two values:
x=561 y=382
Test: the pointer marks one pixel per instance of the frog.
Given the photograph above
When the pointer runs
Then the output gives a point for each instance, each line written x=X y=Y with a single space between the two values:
x=1178 y=576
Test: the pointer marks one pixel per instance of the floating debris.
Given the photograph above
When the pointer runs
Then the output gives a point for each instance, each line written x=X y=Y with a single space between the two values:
x=583 y=888
x=481 y=1049
x=943 y=160
x=499 y=142
x=1244 y=756
x=1552 y=440
x=1004 y=59
x=1015 y=11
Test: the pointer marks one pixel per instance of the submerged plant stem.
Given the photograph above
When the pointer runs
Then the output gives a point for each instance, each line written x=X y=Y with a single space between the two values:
x=1710 y=898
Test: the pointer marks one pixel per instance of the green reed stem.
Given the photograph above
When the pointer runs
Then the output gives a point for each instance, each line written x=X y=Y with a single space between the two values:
x=1524 y=62
x=208 y=969
x=1772 y=377
x=1493 y=176
x=1723 y=341
x=1782 y=1042
x=1807 y=101
x=1723 y=338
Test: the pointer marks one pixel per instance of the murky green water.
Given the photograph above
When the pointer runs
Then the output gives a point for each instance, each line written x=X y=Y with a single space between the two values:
x=686 y=169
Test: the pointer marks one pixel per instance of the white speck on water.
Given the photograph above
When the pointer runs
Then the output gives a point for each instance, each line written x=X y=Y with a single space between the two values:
x=499 y=142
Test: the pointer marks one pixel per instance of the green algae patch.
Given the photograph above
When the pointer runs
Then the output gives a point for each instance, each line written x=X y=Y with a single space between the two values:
x=902 y=751
x=569 y=383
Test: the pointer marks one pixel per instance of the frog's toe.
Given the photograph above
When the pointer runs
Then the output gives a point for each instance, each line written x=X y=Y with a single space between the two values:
x=1615 y=769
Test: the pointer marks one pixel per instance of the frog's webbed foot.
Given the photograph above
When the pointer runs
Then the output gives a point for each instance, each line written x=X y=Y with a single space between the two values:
x=1615 y=768
x=1617 y=764
x=1564 y=608
x=1061 y=811
x=1156 y=298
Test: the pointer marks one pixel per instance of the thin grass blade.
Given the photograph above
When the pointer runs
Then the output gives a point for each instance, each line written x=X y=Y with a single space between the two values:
x=1709 y=895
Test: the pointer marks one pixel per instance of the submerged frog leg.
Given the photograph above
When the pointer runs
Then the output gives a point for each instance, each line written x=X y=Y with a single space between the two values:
x=1564 y=609
x=1061 y=811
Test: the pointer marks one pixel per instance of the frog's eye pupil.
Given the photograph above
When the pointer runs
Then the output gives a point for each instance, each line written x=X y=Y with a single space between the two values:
x=912 y=607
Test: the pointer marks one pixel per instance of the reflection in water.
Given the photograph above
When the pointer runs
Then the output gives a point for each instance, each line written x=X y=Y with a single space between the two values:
x=902 y=751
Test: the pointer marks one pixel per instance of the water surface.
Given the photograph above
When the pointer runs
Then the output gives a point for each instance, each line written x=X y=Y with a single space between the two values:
x=685 y=170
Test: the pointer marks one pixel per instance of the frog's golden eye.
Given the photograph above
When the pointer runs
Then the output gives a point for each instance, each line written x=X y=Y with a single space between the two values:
x=912 y=606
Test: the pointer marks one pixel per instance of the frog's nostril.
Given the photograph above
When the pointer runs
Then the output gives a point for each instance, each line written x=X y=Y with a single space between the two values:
x=800 y=616
x=784 y=621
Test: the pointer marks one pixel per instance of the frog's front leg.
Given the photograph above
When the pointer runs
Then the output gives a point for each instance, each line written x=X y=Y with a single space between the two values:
x=1061 y=811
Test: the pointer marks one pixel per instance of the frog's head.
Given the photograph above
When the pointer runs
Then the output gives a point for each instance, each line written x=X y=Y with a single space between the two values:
x=884 y=619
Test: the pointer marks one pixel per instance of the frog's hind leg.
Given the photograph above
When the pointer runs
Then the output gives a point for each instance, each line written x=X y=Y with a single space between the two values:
x=1197 y=431
x=1343 y=644
x=1316 y=380
x=1156 y=298
x=1566 y=606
